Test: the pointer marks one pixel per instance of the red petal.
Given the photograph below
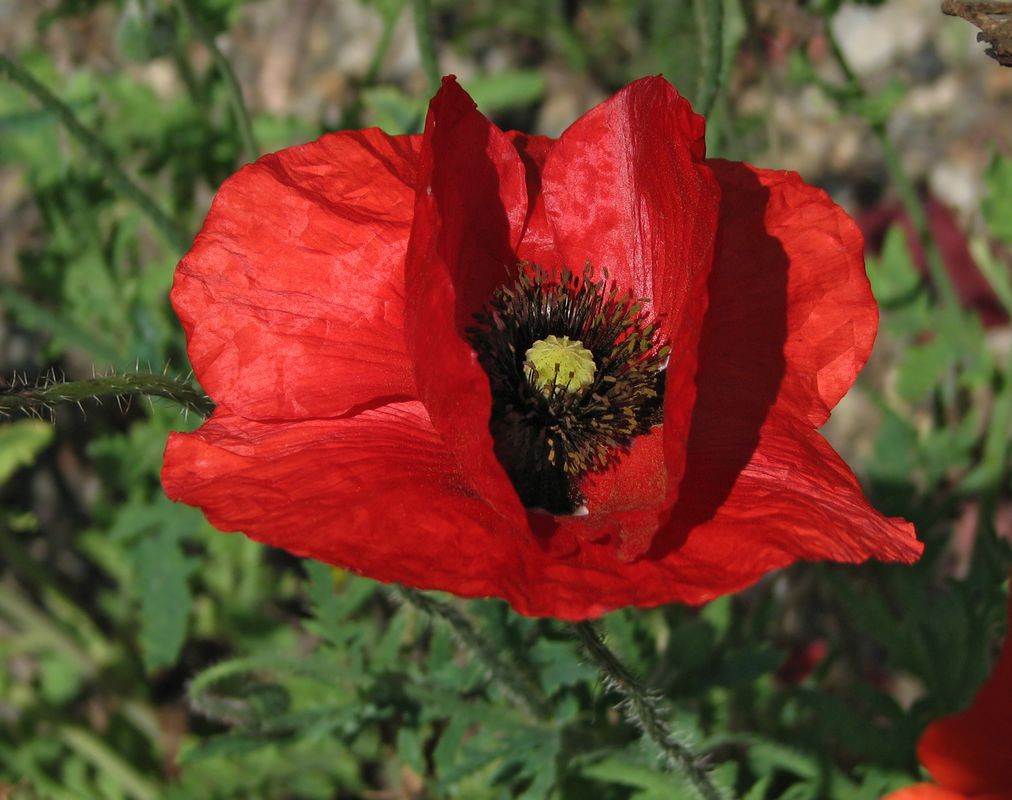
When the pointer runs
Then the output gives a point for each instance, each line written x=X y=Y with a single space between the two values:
x=625 y=190
x=292 y=296
x=969 y=752
x=795 y=499
x=793 y=319
x=470 y=210
x=377 y=493
x=627 y=501
x=537 y=244
x=925 y=791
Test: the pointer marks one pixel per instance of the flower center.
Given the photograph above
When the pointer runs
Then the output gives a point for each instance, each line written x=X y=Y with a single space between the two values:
x=555 y=363
x=576 y=372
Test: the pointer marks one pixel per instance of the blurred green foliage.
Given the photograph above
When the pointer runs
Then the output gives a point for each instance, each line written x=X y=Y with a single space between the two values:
x=146 y=655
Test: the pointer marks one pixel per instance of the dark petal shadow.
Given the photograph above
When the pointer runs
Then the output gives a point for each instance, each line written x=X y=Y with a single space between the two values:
x=741 y=354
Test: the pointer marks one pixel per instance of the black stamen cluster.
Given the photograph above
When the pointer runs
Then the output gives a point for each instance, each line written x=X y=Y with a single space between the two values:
x=548 y=438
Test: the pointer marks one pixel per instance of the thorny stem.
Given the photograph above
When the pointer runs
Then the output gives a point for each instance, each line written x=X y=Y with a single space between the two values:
x=508 y=677
x=35 y=399
x=713 y=52
x=172 y=234
x=641 y=709
x=426 y=43
x=232 y=88
x=908 y=192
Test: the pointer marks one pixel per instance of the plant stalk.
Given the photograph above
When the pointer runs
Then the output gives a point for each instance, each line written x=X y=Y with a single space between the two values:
x=232 y=88
x=173 y=235
x=35 y=399
x=511 y=679
x=909 y=196
x=427 y=43
x=641 y=709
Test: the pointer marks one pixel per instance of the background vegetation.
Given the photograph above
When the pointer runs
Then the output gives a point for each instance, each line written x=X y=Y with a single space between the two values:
x=146 y=655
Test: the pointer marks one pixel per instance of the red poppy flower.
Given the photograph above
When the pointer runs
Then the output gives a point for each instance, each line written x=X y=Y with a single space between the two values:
x=366 y=312
x=969 y=754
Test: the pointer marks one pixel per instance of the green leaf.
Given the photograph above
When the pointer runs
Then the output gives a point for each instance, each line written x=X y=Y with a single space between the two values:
x=20 y=443
x=409 y=749
x=898 y=286
x=165 y=598
x=623 y=770
x=389 y=108
x=560 y=664
x=894 y=455
x=923 y=367
x=997 y=204
x=499 y=91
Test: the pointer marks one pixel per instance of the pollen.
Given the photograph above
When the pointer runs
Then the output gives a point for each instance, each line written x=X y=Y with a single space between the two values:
x=559 y=363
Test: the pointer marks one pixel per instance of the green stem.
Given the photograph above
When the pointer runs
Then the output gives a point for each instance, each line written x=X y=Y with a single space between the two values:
x=991 y=473
x=380 y=53
x=911 y=200
x=232 y=88
x=173 y=235
x=713 y=51
x=511 y=679
x=426 y=43
x=108 y=762
x=34 y=399
x=641 y=709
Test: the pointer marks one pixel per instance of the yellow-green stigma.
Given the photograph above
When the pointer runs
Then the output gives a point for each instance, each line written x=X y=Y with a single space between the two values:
x=558 y=362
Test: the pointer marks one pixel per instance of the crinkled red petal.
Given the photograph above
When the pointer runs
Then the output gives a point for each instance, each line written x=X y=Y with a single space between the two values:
x=625 y=190
x=469 y=213
x=969 y=752
x=411 y=491
x=797 y=318
x=375 y=492
x=292 y=297
x=794 y=499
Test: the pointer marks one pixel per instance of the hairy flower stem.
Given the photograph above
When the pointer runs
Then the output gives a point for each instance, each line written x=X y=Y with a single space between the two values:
x=172 y=234
x=426 y=43
x=641 y=709
x=512 y=679
x=36 y=399
x=232 y=88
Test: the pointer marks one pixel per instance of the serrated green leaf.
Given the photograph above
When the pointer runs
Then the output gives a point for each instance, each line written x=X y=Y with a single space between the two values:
x=895 y=449
x=560 y=664
x=20 y=443
x=165 y=598
x=623 y=770
x=923 y=368
x=137 y=517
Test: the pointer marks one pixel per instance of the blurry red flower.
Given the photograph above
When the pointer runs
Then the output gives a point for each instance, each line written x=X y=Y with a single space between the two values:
x=357 y=307
x=969 y=754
